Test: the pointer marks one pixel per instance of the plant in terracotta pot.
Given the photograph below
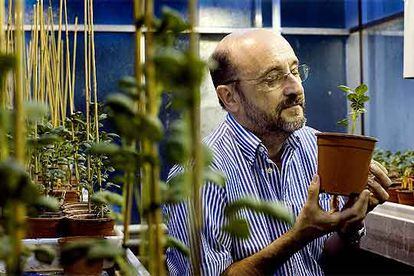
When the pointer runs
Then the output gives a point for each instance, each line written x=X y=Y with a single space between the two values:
x=344 y=159
x=85 y=255
x=17 y=192
x=406 y=193
x=392 y=162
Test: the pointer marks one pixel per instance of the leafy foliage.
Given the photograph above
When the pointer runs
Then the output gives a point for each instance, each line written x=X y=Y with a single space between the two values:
x=357 y=98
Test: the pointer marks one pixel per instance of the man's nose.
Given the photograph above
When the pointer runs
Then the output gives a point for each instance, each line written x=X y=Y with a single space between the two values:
x=293 y=86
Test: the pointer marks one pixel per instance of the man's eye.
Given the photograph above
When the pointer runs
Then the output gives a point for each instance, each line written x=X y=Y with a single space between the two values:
x=271 y=79
x=295 y=71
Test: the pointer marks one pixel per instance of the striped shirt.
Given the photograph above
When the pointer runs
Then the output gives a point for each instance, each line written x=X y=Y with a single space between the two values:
x=243 y=158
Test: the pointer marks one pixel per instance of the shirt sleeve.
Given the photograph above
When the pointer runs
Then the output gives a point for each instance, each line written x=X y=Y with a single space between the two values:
x=216 y=244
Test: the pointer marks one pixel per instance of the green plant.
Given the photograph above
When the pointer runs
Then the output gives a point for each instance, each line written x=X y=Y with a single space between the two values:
x=357 y=98
x=18 y=194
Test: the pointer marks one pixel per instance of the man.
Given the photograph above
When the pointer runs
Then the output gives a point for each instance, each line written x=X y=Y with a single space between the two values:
x=267 y=152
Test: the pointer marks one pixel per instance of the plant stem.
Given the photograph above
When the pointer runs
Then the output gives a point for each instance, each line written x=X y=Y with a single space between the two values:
x=196 y=153
x=156 y=235
x=138 y=12
x=354 y=118
x=72 y=97
x=18 y=233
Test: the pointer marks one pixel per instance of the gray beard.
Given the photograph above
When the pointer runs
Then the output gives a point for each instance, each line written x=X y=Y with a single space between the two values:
x=263 y=122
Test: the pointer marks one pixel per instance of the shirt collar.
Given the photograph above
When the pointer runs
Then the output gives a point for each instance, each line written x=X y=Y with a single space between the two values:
x=247 y=141
x=250 y=143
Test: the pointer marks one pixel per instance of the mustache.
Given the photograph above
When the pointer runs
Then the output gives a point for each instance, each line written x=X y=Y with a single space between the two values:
x=292 y=101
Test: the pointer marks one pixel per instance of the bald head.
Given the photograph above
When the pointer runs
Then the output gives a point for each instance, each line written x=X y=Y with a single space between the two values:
x=244 y=54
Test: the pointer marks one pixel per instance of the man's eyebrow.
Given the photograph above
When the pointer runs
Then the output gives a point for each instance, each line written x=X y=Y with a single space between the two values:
x=293 y=62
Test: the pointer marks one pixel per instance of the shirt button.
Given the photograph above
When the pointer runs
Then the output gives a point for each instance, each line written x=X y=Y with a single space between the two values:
x=269 y=170
x=261 y=149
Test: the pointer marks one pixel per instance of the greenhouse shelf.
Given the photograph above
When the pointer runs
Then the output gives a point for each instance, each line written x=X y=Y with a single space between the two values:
x=390 y=232
x=33 y=266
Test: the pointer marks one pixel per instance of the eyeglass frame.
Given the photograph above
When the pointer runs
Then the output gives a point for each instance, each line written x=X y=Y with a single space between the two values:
x=284 y=76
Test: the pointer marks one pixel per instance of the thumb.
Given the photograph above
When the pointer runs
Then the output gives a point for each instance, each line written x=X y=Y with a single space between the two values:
x=313 y=190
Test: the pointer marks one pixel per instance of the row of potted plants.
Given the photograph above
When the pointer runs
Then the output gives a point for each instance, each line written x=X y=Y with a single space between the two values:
x=400 y=166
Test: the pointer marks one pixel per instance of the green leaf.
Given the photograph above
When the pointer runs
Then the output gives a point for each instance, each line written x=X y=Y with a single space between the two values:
x=178 y=144
x=215 y=177
x=45 y=139
x=106 y=197
x=44 y=254
x=152 y=127
x=35 y=111
x=274 y=209
x=49 y=203
x=6 y=247
x=343 y=122
x=121 y=103
x=177 y=244
x=104 y=249
x=238 y=228
x=361 y=89
x=7 y=62
x=344 y=88
x=176 y=189
x=104 y=149
x=208 y=155
x=127 y=82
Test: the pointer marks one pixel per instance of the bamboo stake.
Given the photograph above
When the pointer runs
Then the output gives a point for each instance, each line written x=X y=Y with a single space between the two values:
x=95 y=85
x=156 y=246
x=68 y=79
x=58 y=61
x=18 y=220
x=4 y=151
x=35 y=57
x=195 y=210
x=2 y=29
x=2 y=51
x=42 y=72
x=72 y=101
x=62 y=99
x=36 y=72
x=138 y=12
x=87 y=89
x=51 y=65
x=10 y=50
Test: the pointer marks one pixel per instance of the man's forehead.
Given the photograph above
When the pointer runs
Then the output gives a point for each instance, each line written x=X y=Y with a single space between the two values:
x=261 y=50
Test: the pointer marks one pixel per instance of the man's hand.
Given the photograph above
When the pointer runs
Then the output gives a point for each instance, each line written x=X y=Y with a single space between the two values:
x=314 y=222
x=378 y=183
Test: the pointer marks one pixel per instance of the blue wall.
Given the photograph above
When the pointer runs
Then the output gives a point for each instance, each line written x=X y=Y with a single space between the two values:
x=390 y=112
x=325 y=104
x=316 y=13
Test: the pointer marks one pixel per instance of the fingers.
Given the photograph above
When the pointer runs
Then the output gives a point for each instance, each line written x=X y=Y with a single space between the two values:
x=380 y=166
x=379 y=192
x=334 y=204
x=373 y=202
x=380 y=175
x=313 y=190
x=358 y=209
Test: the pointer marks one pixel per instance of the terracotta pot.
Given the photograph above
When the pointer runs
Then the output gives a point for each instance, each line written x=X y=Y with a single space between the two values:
x=80 y=211
x=90 y=225
x=45 y=226
x=392 y=191
x=70 y=195
x=75 y=205
x=74 y=261
x=406 y=197
x=343 y=162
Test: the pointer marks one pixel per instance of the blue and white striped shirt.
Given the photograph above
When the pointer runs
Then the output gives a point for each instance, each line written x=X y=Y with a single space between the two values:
x=244 y=160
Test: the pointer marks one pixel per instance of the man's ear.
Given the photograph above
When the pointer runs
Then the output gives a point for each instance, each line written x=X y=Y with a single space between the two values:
x=229 y=97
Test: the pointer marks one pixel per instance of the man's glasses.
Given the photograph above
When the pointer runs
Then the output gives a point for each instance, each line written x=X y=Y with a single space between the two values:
x=300 y=72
